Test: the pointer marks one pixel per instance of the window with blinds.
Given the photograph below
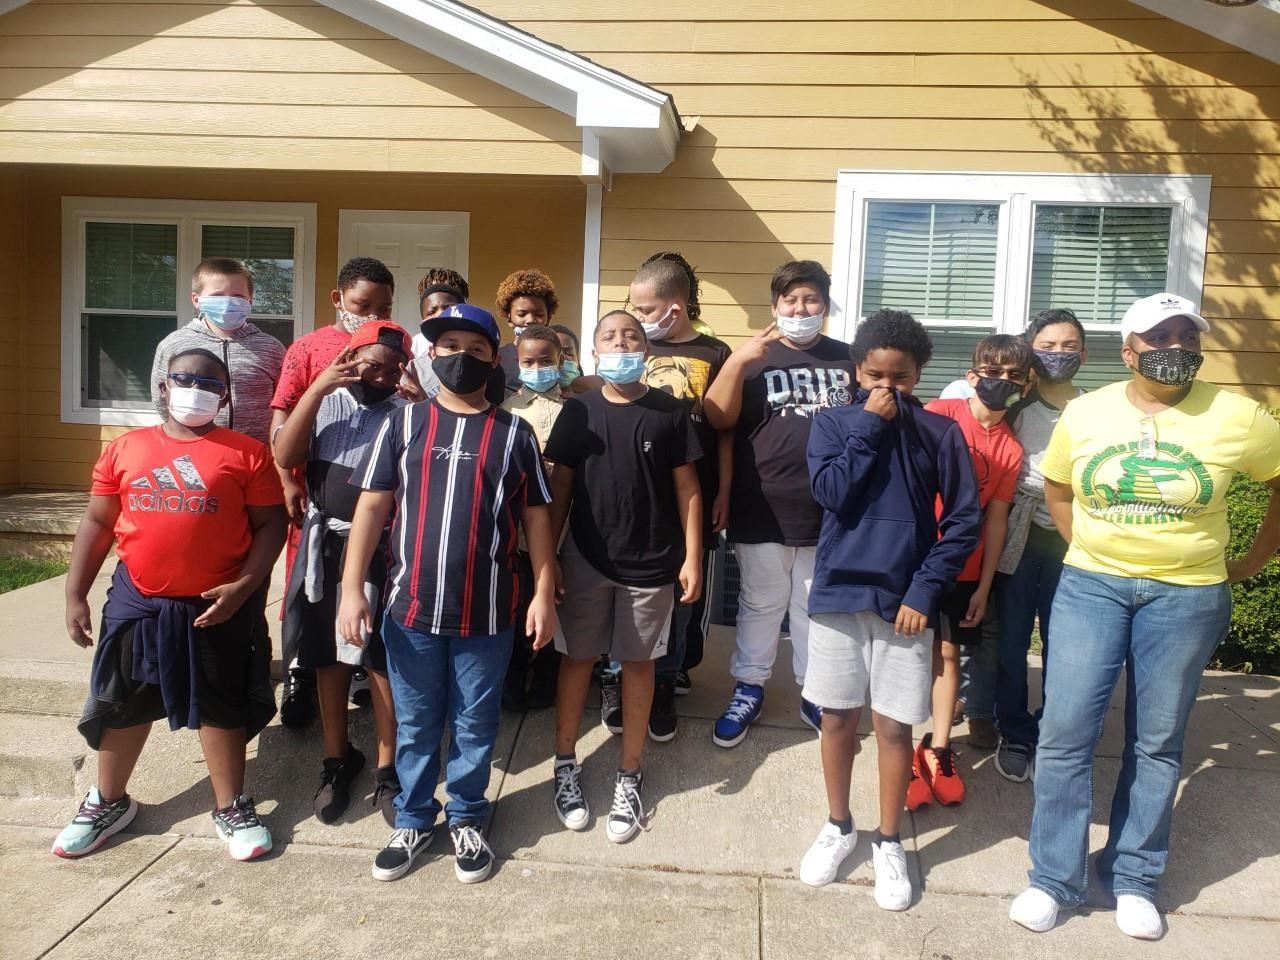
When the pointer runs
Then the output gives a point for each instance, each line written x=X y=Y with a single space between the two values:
x=934 y=260
x=269 y=254
x=129 y=305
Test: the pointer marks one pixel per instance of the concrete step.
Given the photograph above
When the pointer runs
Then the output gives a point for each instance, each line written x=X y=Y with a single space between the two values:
x=43 y=756
x=42 y=687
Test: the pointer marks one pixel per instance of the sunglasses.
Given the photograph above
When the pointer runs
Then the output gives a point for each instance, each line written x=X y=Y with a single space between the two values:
x=207 y=384
x=1012 y=374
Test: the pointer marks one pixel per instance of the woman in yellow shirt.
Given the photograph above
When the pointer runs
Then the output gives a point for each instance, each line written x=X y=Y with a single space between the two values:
x=1135 y=478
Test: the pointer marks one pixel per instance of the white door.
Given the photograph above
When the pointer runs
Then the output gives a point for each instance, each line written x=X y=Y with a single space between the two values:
x=409 y=242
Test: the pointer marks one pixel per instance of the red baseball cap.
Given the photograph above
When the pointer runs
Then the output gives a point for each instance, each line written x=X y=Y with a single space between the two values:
x=384 y=332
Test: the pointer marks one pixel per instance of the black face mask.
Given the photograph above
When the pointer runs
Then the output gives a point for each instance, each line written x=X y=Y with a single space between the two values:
x=1057 y=366
x=462 y=372
x=1174 y=367
x=367 y=395
x=996 y=394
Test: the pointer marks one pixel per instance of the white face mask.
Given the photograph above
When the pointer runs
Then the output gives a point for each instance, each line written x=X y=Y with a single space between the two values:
x=800 y=329
x=662 y=329
x=191 y=406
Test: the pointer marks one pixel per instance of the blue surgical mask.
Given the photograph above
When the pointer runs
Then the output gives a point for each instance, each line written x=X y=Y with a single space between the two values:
x=569 y=372
x=540 y=379
x=225 y=313
x=619 y=368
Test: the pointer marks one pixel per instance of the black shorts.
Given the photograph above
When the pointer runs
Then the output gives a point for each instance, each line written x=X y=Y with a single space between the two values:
x=952 y=608
x=317 y=633
x=234 y=679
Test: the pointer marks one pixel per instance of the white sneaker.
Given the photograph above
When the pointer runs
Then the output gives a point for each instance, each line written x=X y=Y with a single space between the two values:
x=1035 y=910
x=893 y=883
x=823 y=859
x=1137 y=917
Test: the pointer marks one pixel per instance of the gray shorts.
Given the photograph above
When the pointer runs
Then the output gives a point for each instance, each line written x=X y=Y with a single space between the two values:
x=851 y=654
x=601 y=616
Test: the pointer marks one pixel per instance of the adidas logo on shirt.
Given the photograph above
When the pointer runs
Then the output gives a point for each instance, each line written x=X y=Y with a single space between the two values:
x=161 y=491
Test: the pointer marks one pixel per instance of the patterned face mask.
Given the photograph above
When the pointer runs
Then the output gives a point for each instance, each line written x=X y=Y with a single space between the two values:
x=1174 y=367
x=350 y=321
x=1057 y=366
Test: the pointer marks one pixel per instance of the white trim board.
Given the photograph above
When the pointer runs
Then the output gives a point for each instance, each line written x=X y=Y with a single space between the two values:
x=1016 y=194
x=1254 y=28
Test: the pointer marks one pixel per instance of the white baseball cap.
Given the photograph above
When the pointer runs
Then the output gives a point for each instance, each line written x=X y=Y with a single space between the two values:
x=1150 y=311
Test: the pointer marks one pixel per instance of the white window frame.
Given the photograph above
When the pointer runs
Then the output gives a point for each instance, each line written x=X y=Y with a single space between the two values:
x=189 y=216
x=1017 y=195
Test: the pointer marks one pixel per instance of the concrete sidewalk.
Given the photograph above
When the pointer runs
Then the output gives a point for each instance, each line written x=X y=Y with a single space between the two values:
x=713 y=877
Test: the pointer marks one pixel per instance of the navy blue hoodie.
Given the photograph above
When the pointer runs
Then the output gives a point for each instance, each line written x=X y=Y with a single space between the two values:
x=878 y=482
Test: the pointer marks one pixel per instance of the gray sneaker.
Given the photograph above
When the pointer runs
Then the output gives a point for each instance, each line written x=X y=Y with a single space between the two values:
x=1015 y=761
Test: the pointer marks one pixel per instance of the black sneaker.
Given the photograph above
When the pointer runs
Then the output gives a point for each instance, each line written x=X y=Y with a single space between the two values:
x=662 y=714
x=474 y=859
x=361 y=695
x=386 y=787
x=626 y=815
x=298 y=698
x=611 y=702
x=571 y=805
x=684 y=686
x=334 y=793
x=396 y=858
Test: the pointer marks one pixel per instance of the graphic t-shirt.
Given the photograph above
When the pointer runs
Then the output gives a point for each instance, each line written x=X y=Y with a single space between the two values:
x=461 y=484
x=625 y=519
x=340 y=440
x=770 y=500
x=997 y=460
x=686 y=371
x=1150 y=491
x=183 y=525
x=304 y=360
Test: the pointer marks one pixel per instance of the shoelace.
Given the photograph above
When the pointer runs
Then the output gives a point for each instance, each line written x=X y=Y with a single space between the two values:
x=741 y=706
x=381 y=789
x=895 y=861
x=568 y=787
x=467 y=841
x=626 y=802
x=611 y=696
x=946 y=761
x=90 y=812
x=241 y=813
x=829 y=839
x=403 y=838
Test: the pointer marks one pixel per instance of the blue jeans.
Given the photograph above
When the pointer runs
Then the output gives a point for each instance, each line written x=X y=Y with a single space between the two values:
x=1162 y=636
x=1020 y=597
x=978 y=667
x=437 y=679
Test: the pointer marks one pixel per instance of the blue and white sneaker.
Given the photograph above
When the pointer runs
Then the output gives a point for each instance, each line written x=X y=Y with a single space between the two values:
x=731 y=729
x=246 y=837
x=94 y=823
x=811 y=714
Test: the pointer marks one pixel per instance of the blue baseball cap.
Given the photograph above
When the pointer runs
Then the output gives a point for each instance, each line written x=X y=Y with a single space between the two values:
x=462 y=316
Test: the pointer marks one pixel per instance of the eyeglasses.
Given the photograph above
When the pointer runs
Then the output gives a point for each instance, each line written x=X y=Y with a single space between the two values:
x=207 y=384
x=1012 y=374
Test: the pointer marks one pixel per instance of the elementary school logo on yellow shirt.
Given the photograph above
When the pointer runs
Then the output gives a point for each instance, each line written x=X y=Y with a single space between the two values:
x=1122 y=485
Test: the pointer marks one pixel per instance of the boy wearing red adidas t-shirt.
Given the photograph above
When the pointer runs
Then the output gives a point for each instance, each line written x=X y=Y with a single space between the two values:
x=1001 y=369
x=195 y=511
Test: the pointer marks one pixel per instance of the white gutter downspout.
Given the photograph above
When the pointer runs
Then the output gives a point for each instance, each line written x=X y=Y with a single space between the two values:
x=598 y=178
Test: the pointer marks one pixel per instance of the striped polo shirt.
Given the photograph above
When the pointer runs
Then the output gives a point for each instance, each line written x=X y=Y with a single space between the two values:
x=461 y=484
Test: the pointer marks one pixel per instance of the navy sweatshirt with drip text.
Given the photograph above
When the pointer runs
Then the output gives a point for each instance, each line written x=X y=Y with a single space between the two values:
x=878 y=482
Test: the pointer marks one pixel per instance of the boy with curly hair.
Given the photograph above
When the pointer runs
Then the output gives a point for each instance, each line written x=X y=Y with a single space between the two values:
x=525 y=298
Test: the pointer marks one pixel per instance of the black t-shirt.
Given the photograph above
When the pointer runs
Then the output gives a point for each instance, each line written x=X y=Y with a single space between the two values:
x=509 y=362
x=686 y=371
x=770 y=500
x=624 y=518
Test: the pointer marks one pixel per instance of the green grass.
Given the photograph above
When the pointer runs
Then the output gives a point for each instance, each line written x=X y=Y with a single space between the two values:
x=16 y=572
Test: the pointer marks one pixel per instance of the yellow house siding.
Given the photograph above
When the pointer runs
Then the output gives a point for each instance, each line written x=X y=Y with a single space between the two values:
x=184 y=84
x=514 y=223
x=12 y=202
x=1057 y=86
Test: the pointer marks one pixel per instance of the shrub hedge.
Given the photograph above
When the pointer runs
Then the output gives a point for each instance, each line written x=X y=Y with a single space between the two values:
x=1253 y=645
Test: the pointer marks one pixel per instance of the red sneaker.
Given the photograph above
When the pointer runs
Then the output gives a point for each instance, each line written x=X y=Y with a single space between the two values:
x=938 y=770
x=918 y=792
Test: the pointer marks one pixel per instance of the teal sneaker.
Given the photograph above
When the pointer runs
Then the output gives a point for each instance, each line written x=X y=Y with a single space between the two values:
x=246 y=836
x=94 y=823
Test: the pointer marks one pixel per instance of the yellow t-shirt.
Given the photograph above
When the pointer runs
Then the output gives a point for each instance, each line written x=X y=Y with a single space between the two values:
x=1150 y=491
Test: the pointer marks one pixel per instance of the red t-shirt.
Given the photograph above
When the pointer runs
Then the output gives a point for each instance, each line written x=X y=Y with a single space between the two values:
x=303 y=362
x=183 y=525
x=997 y=458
